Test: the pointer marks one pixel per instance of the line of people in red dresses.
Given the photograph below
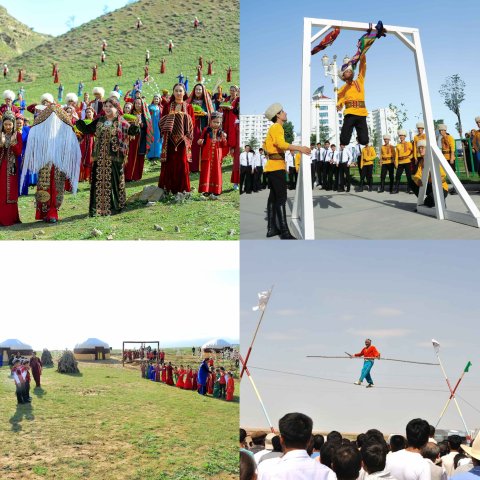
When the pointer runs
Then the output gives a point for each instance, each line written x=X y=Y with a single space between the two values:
x=220 y=383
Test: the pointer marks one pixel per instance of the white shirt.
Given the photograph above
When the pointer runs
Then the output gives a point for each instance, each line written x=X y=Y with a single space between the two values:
x=247 y=159
x=406 y=465
x=289 y=159
x=345 y=156
x=263 y=160
x=323 y=154
x=257 y=456
x=384 y=475
x=332 y=157
x=437 y=472
x=294 y=465
x=447 y=462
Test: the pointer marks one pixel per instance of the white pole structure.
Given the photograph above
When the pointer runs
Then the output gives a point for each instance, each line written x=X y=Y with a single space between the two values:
x=436 y=347
x=302 y=217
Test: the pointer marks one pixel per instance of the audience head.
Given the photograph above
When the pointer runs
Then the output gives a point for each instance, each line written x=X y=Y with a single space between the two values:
x=295 y=430
x=247 y=466
x=334 y=437
x=444 y=448
x=454 y=442
x=346 y=462
x=397 y=442
x=418 y=431
x=318 y=442
x=374 y=455
x=431 y=451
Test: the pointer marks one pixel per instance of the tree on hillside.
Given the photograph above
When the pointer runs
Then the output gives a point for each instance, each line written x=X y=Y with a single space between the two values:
x=70 y=23
x=453 y=93
x=289 y=132
x=106 y=9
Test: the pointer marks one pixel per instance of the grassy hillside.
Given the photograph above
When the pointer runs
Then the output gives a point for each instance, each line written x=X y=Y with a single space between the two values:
x=108 y=422
x=78 y=50
x=16 y=38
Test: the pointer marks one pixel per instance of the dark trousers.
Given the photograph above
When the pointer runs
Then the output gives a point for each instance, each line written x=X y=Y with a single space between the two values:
x=387 y=168
x=349 y=123
x=222 y=390
x=367 y=174
x=404 y=167
x=325 y=174
x=318 y=171
x=257 y=179
x=278 y=187
x=333 y=176
x=429 y=198
x=264 y=179
x=344 y=176
x=292 y=178
x=246 y=179
x=313 y=170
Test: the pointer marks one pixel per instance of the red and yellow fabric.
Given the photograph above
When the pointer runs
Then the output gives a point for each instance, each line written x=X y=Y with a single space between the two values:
x=368 y=156
x=404 y=153
x=388 y=154
x=352 y=94
x=368 y=352
x=275 y=146
x=418 y=176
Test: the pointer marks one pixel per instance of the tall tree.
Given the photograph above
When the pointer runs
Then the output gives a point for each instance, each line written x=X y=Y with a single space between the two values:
x=399 y=114
x=289 y=132
x=453 y=93
x=254 y=143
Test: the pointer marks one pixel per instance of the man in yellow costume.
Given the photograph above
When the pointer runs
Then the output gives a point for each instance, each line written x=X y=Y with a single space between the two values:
x=366 y=164
x=417 y=178
x=387 y=161
x=275 y=168
x=419 y=136
x=402 y=162
x=447 y=144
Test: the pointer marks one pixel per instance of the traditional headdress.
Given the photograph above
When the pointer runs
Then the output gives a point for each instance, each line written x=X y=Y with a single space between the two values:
x=402 y=132
x=71 y=97
x=477 y=119
x=273 y=110
x=114 y=101
x=422 y=143
x=420 y=125
x=206 y=98
x=48 y=97
x=9 y=94
x=8 y=116
x=99 y=90
x=343 y=70
x=442 y=126
x=115 y=94
x=387 y=137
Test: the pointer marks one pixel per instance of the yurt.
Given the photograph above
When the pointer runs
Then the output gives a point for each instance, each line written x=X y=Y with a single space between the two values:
x=215 y=345
x=92 y=349
x=13 y=345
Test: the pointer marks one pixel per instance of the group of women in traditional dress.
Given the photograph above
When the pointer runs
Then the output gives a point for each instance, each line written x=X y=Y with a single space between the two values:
x=220 y=383
x=186 y=133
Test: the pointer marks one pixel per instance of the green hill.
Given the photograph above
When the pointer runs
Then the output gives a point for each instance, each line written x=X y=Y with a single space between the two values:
x=16 y=38
x=78 y=50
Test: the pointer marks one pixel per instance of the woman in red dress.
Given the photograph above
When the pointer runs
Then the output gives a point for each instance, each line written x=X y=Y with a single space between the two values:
x=230 y=387
x=169 y=374
x=86 y=147
x=214 y=149
x=176 y=127
x=10 y=149
x=164 y=373
x=119 y=69
x=188 y=379
x=202 y=100
x=162 y=66
x=194 y=380
x=231 y=126
x=211 y=382
x=94 y=73
x=181 y=373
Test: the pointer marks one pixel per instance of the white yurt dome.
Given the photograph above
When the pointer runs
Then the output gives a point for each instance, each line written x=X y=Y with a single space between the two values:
x=15 y=344
x=216 y=343
x=92 y=343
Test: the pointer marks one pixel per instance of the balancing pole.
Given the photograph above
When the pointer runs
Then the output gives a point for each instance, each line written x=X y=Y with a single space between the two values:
x=257 y=393
x=436 y=347
x=262 y=307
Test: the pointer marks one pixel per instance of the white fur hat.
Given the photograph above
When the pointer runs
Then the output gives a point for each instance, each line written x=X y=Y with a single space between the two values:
x=272 y=110
x=422 y=143
x=442 y=126
x=158 y=95
x=402 y=132
x=99 y=90
x=387 y=137
x=9 y=94
x=114 y=94
x=48 y=97
x=420 y=125
x=477 y=119
x=71 y=97
x=341 y=72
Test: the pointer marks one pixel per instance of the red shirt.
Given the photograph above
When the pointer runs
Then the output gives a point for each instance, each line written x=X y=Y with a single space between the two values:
x=371 y=352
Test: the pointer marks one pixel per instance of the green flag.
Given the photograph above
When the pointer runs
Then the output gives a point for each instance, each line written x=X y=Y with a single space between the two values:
x=469 y=364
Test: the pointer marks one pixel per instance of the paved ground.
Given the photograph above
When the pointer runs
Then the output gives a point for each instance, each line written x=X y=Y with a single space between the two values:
x=366 y=215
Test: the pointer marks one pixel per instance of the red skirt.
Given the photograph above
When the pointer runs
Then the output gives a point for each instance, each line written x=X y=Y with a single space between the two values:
x=8 y=211
x=174 y=176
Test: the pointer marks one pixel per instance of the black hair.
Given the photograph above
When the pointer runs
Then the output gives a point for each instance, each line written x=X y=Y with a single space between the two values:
x=346 y=462
x=431 y=451
x=277 y=446
x=375 y=434
x=361 y=440
x=374 y=455
x=326 y=453
x=274 y=119
x=243 y=435
x=457 y=458
x=247 y=466
x=397 y=442
x=432 y=431
x=454 y=442
x=296 y=430
x=418 y=431
x=318 y=442
x=444 y=448
x=334 y=436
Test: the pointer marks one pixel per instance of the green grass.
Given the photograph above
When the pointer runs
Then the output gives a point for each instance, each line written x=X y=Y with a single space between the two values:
x=107 y=422
x=196 y=219
x=79 y=49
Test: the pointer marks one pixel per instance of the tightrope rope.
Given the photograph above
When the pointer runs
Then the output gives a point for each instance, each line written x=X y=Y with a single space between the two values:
x=379 y=358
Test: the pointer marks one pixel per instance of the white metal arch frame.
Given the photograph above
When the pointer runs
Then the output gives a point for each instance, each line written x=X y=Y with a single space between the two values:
x=302 y=212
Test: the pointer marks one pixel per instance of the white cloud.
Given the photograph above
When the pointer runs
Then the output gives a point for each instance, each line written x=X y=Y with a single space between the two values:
x=289 y=312
x=380 y=333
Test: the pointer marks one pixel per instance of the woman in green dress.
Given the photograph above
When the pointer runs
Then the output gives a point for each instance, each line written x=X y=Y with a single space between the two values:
x=112 y=131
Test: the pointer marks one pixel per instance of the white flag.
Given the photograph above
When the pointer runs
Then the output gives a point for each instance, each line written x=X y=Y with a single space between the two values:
x=262 y=301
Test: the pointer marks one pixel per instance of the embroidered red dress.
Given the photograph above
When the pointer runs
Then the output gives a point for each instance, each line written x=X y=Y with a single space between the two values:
x=214 y=148
x=9 y=180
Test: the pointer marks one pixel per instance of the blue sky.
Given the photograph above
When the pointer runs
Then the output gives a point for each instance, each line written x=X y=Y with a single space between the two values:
x=328 y=297
x=271 y=50
x=51 y=16
x=174 y=292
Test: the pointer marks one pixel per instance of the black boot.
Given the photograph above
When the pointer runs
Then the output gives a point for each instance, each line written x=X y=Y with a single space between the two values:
x=382 y=186
x=360 y=188
x=397 y=187
x=272 y=229
x=282 y=223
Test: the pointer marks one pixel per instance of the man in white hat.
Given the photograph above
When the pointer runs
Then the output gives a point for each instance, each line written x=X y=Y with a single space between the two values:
x=419 y=136
x=417 y=177
x=97 y=104
x=448 y=145
x=402 y=162
x=72 y=101
x=474 y=453
x=352 y=97
x=387 y=162
x=9 y=97
x=45 y=100
x=275 y=147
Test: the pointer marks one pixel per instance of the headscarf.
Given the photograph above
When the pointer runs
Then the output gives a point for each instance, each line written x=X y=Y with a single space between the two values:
x=148 y=119
x=206 y=98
